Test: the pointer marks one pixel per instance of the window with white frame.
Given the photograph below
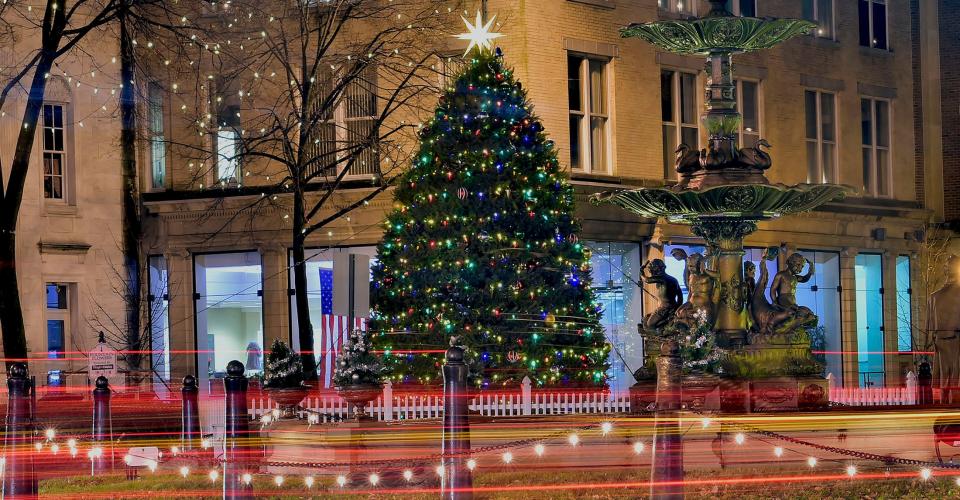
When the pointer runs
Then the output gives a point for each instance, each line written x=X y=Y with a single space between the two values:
x=748 y=103
x=743 y=8
x=589 y=113
x=158 y=147
x=875 y=132
x=344 y=131
x=58 y=319
x=821 y=136
x=54 y=152
x=678 y=102
x=678 y=6
x=873 y=23
x=820 y=12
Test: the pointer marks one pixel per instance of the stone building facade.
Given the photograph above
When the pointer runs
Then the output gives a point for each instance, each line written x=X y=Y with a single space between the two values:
x=838 y=106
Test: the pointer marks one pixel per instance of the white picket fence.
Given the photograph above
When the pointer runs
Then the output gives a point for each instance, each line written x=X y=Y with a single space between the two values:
x=426 y=406
x=875 y=396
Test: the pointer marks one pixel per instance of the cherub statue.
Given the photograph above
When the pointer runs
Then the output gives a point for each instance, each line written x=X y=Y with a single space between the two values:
x=783 y=290
x=766 y=318
x=703 y=287
x=669 y=295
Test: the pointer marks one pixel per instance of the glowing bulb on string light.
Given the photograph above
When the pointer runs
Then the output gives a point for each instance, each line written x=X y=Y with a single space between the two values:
x=184 y=471
x=606 y=427
x=539 y=449
x=374 y=478
x=926 y=473
x=812 y=461
x=55 y=448
x=739 y=438
x=341 y=481
x=471 y=464
x=705 y=422
x=638 y=447
x=214 y=474
x=408 y=474
x=50 y=434
x=851 y=470
x=308 y=481
x=507 y=457
x=278 y=480
x=246 y=478
x=439 y=470
x=778 y=452
x=573 y=439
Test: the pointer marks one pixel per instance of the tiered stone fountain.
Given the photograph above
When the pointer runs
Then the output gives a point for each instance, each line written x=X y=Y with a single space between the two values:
x=722 y=192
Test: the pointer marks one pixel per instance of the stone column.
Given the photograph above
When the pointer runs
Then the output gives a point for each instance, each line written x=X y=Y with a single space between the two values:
x=180 y=311
x=276 y=300
x=725 y=236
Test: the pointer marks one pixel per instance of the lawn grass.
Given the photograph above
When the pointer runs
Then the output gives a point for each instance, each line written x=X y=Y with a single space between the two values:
x=564 y=484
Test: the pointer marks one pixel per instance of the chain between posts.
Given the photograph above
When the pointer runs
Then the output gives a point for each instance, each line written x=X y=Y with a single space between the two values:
x=431 y=459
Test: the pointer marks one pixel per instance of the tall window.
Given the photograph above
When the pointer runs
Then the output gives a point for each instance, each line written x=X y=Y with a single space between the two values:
x=822 y=296
x=328 y=275
x=875 y=131
x=158 y=298
x=870 y=345
x=821 y=126
x=820 y=12
x=229 y=312
x=744 y=8
x=678 y=6
x=678 y=103
x=748 y=103
x=904 y=305
x=616 y=275
x=228 y=145
x=873 y=23
x=54 y=152
x=360 y=115
x=158 y=148
x=58 y=319
x=589 y=113
x=345 y=129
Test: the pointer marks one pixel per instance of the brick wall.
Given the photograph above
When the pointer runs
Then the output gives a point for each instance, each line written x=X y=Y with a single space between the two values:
x=950 y=105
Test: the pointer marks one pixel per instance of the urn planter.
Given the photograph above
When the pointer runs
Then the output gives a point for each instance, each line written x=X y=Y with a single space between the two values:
x=287 y=398
x=358 y=396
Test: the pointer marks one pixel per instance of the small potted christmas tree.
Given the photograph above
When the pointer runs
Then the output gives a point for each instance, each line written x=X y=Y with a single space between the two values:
x=283 y=378
x=357 y=375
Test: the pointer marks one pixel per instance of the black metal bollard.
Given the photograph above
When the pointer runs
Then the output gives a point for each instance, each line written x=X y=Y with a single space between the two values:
x=190 y=436
x=19 y=475
x=666 y=467
x=102 y=430
x=924 y=384
x=456 y=482
x=236 y=457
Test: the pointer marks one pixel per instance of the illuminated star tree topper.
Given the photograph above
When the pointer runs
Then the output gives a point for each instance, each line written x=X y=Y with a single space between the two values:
x=479 y=34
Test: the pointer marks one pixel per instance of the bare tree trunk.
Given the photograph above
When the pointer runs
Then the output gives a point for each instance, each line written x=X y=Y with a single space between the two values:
x=304 y=326
x=11 y=314
x=11 y=310
x=131 y=205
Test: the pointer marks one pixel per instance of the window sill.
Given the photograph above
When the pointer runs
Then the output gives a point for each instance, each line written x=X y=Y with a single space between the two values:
x=60 y=209
x=822 y=41
x=671 y=15
x=594 y=177
x=873 y=51
x=603 y=4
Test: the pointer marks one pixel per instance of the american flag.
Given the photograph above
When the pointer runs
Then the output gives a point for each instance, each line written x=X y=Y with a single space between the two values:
x=333 y=329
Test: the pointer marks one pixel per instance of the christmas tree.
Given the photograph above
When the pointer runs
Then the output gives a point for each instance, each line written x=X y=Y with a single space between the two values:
x=356 y=365
x=284 y=369
x=482 y=245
